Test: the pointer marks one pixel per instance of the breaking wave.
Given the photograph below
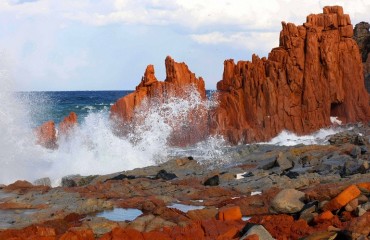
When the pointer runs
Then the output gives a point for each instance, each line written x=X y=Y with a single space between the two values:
x=93 y=148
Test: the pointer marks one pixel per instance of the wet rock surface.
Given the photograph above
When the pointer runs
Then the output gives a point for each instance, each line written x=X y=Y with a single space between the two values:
x=253 y=185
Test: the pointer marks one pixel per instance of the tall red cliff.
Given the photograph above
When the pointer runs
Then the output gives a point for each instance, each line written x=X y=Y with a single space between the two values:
x=179 y=80
x=315 y=73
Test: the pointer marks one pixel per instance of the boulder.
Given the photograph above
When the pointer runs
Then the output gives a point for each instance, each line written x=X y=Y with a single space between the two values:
x=288 y=201
x=255 y=229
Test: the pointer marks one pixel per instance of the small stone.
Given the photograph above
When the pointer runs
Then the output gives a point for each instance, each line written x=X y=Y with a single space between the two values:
x=283 y=162
x=360 y=211
x=321 y=235
x=352 y=205
x=308 y=212
x=255 y=229
x=69 y=181
x=230 y=213
x=163 y=174
x=121 y=177
x=213 y=181
x=343 y=198
x=292 y=175
x=327 y=215
x=288 y=201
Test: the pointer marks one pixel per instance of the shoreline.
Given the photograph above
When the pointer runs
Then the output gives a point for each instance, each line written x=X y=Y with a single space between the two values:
x=246 y=187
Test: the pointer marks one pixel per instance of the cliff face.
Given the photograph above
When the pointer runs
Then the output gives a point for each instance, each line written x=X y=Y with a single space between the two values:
x=179 y=81
x=315 y=73
x=362 y=37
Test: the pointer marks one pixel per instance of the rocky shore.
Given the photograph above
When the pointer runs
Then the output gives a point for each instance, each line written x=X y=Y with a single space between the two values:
x=255 y=191
x=250 y=191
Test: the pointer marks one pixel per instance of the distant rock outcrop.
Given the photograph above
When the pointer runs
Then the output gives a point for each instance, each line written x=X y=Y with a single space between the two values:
x=68 y=123
x=179 y=81
x=315 y=73
x=362 y=37
x=46 y=134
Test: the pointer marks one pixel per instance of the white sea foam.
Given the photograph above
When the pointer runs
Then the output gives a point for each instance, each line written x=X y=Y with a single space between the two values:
x=286 y=138
x=92 y=147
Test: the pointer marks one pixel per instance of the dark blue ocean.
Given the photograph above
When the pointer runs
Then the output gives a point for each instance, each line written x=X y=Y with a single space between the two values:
x=55 y=106
x=46 y=106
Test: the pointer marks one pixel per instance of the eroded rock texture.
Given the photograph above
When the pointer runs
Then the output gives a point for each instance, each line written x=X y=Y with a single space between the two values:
x=362 y=37
x=315 y=73
x=150 y=93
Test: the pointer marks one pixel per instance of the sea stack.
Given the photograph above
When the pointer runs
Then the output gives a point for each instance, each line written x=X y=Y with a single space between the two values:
x=179 y=81
x=315 y=73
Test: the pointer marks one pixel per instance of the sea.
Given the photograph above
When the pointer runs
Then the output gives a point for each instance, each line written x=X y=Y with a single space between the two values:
x=93 y=147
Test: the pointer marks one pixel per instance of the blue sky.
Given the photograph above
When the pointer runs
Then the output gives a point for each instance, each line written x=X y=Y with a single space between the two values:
x=106 y=45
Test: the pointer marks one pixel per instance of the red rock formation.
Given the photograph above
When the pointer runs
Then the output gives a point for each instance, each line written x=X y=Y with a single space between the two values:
x=315 y=73
x=179 y=80
x=68 y=123
x=46 y=135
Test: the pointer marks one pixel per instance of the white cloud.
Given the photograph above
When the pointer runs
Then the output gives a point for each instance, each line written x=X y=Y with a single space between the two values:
x=256 y=41
x=32 y=30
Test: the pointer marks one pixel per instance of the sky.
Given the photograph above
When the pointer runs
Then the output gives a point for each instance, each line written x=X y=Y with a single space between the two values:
x=54 y=45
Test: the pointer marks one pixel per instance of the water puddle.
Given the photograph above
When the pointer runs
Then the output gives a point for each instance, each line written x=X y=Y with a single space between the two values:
x=120 y=214
x=185 y=208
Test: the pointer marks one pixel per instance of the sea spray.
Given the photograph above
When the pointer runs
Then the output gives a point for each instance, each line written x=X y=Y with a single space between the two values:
x=93 y=147
x=19 y=156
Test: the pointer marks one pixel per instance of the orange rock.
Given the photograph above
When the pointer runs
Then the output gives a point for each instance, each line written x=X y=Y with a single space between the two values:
x=179 y=80
x=364 y=185
x=360 y=226
x=46 y=135
x=68 y=123
x=193 y=230
x=327 y=215
x=156 y=235
x=32 y=232
x=315 y=73
x=252 y=237
x=78 y=234
x=202 y=214
x=343 y=198
x=230 y=213
x=23 y=187
x=122 y=234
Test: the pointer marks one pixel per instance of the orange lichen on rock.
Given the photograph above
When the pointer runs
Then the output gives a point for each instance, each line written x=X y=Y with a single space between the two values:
x=32 y=232
x=230 y=213
x=343 y=198
x=68 y=123
x=327 y=215
x=46 y=135
x=315 y=73
x=78 y=234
